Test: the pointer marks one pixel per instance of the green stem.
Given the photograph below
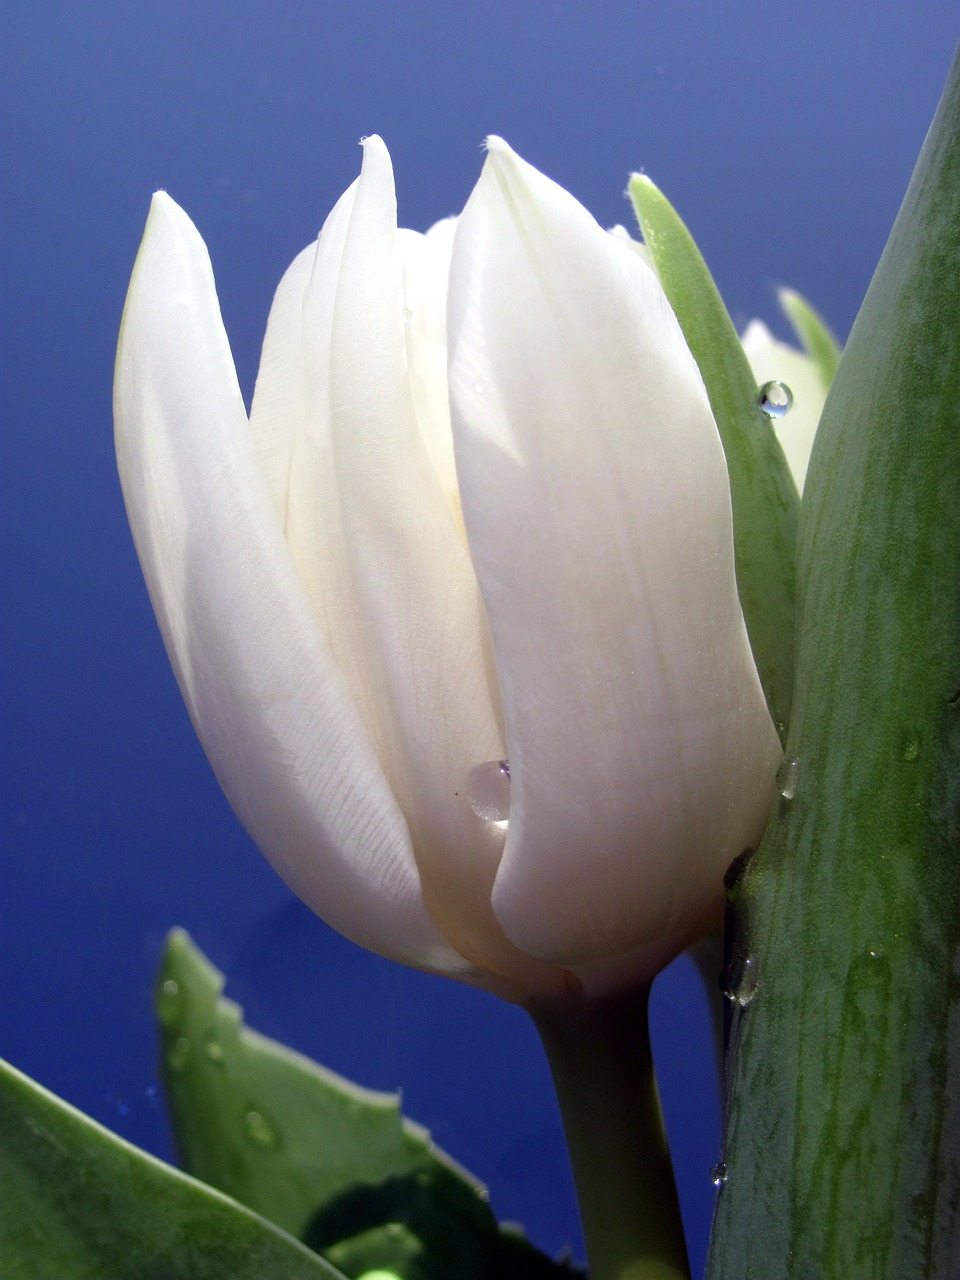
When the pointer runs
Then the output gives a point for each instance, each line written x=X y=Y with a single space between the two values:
x=599 y=1053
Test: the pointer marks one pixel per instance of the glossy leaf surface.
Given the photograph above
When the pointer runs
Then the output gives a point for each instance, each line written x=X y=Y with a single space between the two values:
x=79 y=1203
x=765 y=499
x=843 y=1131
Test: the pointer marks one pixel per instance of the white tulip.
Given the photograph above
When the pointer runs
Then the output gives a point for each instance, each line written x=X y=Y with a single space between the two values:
x=772 y=360
x=370 y=600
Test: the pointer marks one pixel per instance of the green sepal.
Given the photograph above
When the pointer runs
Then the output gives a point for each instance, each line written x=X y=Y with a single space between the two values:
x=335 y=1164
x=814 y=333
x=842 y=1145
x=765 y=499
x=79 y=1203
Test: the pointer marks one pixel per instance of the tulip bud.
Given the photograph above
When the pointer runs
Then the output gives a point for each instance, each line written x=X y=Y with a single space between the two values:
x=454 y=611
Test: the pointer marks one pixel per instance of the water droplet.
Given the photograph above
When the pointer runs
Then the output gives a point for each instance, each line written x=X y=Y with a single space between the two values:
x=733 y=876
x=776 y=399
x=718 y=1174
x=259 y=1128
x=178 y=1055
x=169 y=1002
x=787 y=778
x=488 y=790
x=479 y=388
x=214 y=1050
x=407 y=315
x=738 y=981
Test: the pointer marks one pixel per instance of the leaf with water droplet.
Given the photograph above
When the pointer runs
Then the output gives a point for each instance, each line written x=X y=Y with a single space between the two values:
x=775 y=399
x=842 y=1082
x=738 y=981
x=787 y=777
x=167 y=1002
x=765 y=500
x=321 y=1157
x=177 y=1055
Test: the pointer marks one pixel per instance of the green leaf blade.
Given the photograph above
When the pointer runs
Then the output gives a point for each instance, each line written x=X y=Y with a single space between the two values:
x=79 y=1203
x=814 y=332
x=764 y=496
x=843 y=1133
x=261 y=1122
x=333 y=1163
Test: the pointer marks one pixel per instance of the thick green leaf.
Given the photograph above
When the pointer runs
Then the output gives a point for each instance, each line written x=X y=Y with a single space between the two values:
x=79 y=1203
x=333 y=1163
x=765 y=499
x=814 y=332
x=843 y=1125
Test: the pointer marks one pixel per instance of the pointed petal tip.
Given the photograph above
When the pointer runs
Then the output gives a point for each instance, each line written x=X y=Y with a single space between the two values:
x=162 y=206
x=376 y=161
x=167 y=219
x=501 y=155
x=373 y=145
x=756 y=331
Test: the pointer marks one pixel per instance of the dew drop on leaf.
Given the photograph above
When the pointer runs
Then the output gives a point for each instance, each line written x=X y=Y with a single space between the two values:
x=775 y=399
x=787 y=778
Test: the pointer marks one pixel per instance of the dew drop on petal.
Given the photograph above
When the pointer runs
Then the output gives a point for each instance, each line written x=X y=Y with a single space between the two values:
x=718 y=1175
x=488 y=790
x=407 y=315
x=775 y=399
x=787 y=778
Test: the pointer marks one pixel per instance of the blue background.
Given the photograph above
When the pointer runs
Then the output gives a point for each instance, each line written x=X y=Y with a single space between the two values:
x=785 y=134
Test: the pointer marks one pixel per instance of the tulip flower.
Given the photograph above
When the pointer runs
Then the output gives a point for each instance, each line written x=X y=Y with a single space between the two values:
x=453 y=610
x=454 y=614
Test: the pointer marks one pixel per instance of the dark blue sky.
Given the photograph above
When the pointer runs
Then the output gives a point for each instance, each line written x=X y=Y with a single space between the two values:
x=784 y=133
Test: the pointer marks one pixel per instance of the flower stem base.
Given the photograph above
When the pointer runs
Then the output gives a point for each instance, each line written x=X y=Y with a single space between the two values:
x=599 y=1054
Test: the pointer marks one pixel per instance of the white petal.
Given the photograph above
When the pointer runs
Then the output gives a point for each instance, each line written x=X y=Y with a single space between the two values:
x=426 y=267
x=276 y=413
x=255 y=669
x=597 y=507
x=415 y=596
x=772 y=360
